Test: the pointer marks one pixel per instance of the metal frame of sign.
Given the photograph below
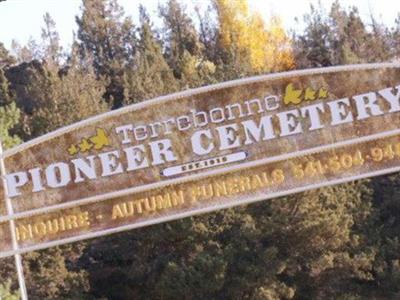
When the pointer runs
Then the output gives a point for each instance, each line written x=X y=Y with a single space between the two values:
x=12 y=217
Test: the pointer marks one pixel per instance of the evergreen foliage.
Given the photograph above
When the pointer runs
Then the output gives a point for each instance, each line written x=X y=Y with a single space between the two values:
x=9 y=114
x=6 y=293
x=149 y=75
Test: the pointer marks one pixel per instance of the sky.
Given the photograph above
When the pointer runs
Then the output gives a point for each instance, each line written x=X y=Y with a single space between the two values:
x=22 y=19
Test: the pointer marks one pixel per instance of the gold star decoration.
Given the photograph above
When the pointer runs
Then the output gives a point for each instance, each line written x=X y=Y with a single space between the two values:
x=323 y=93
x=85 y=146
x=310 y=94
x=100 y=140
x=292 y=95
x=72 y=150
x=296 y=96
x=97 y=142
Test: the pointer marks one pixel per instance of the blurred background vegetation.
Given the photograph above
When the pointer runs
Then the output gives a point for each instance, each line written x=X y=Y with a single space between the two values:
x=338 y=242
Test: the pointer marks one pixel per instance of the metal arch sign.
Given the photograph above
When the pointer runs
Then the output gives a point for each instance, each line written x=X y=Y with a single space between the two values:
x=201 y=150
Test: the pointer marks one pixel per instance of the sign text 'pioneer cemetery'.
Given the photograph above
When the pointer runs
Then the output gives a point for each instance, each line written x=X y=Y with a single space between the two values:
x=202 y=150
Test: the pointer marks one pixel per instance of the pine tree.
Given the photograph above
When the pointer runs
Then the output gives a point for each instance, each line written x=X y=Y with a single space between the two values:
x=340 y=38
x=196 y=71
x=208 y=34
x=9 y=114
x=9 y=117
x=63 y=98
x=395 y=40
x=6 y=95
x=351 y=35
x=179 y=35
x=107 y=38
x=6 y=293
x=313 y=47
x=5 y=58
x=53 y=273
x=26 y=53
x=383 y=234
x=149 y=74
x=183 y=49
x=50 y=40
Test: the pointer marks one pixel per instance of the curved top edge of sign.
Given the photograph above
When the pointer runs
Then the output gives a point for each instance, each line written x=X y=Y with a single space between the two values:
x=195 y=91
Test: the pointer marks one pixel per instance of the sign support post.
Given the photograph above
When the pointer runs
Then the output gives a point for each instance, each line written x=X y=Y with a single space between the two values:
x=10 y=212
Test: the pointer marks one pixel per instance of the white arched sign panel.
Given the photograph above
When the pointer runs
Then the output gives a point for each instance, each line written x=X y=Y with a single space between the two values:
x=202 y=150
